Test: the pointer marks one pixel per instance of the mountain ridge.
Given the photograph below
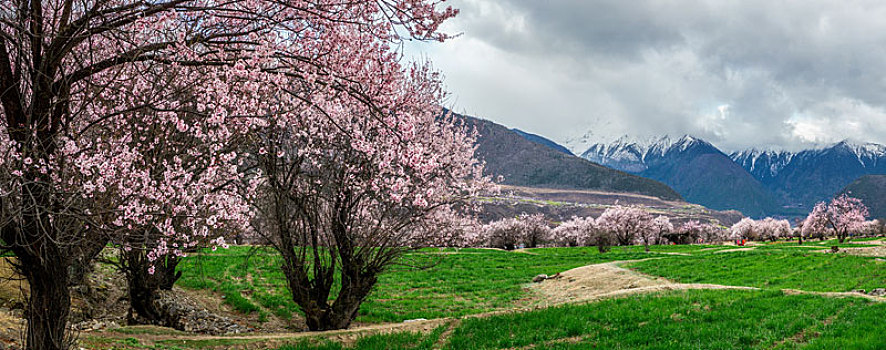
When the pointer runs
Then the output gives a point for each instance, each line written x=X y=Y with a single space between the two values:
x=775 y=182
x=693 y=167
x=528 y=163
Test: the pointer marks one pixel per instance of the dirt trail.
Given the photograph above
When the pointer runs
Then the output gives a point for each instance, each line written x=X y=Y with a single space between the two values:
x=866 y=251
x=835 y=294
x=579 y=285
x=735 y=250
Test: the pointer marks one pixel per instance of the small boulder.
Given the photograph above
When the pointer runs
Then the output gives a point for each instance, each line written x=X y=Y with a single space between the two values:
x=539 y=278
x=878 y=292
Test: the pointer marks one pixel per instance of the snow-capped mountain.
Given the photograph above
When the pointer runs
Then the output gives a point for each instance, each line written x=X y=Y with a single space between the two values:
x=754 y=181
x=578 y=144
x=766 y=164
x=763 y=164
x=817 y=174
x=622 y=154
x=633 y=155
x=700 y=172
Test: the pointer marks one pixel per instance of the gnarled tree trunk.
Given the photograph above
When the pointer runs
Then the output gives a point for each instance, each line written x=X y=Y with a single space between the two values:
x=49 y=301
x=144 y=287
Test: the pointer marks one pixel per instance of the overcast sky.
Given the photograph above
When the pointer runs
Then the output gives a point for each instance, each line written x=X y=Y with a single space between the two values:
x=750 y=73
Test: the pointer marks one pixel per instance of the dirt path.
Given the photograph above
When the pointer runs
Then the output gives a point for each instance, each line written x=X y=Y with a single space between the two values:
x=735 y=250
x=866 y=251
x=579 y=285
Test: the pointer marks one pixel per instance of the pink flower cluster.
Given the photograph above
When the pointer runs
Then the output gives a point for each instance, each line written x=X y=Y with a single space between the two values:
x=842 y=217
x=767 y=229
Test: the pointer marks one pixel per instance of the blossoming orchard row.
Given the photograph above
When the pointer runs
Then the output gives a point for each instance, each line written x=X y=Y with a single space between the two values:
x=624 y=225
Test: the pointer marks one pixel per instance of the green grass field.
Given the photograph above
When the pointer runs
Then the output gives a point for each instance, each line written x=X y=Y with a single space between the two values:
x=781 y=269
x=456 y=283
x=471 y=281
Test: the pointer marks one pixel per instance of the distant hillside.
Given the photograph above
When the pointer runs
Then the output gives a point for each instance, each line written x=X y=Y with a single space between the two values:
x=871 y=189
x=563 y=204
x=526 y=163
x=543 y=141
x=696 y=169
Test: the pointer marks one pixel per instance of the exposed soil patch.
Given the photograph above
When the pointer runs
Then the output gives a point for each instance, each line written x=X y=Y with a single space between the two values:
x=836 y=294
x=866 y=251
x=716 y=248
x=867 y=242
x=271 y=340
x=588 y=282
x=594 y=282
x=735 y=250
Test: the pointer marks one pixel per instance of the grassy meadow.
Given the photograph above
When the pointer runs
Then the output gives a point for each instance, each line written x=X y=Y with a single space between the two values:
x=454 y=283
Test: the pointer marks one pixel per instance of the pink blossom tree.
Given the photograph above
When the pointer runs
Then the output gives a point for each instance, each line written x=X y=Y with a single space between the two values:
x=661 y=226
x=744 y=228
x=351 y=202
x=816 y=224
x=83 y=82
x=687 y=232
x=871 y=228
x=842 y=216
x=535 y=230
x=625 y=223
x=526 y=230
x=712 y=232
x=773 y=229
x=575 y=232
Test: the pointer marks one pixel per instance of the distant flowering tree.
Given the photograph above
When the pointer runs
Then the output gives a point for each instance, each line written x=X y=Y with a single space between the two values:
x=686 y=233
x=772 y=229
x=661 y=226
x=713 y=232
x=625 y=223
x=535 y=230
x=744 y=228
x=504 y=233
x=575 y=232
x=816 y=225
x=871 y=228
x=526 y=230
x=447 y=227
x=765 y=229
x=842 y=216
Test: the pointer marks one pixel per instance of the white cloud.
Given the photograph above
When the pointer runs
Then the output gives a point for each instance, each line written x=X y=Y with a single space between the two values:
x=790 y=73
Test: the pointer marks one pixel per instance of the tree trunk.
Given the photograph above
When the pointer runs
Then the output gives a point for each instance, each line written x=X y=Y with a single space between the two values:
x=48 y=306
x=344 y=309
x=144 y=287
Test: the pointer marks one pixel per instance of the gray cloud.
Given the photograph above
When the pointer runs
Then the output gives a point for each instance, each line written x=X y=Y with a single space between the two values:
x=754 y=73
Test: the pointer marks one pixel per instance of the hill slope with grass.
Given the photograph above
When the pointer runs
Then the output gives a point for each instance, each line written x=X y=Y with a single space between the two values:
x=522 y=162
x=871 y=189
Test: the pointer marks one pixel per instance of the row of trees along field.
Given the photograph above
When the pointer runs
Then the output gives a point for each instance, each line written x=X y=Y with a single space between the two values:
x=619 y=225
x=162 y=126
x=623 y=225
